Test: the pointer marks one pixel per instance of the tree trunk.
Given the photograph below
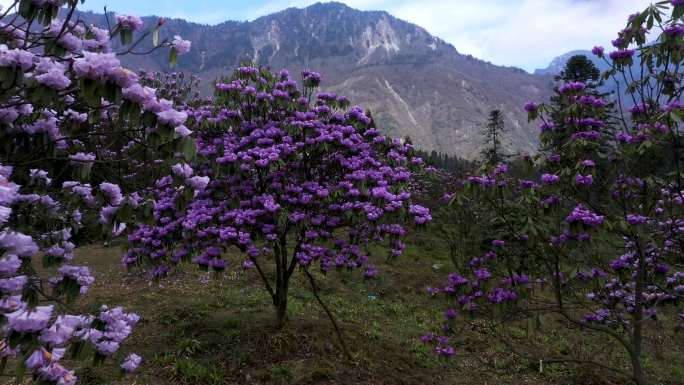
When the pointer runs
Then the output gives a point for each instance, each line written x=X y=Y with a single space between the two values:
x=638 y=370
x=638 y=317
x=280 y=302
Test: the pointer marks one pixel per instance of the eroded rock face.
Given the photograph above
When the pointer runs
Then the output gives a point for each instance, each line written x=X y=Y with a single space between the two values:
x=414 y=83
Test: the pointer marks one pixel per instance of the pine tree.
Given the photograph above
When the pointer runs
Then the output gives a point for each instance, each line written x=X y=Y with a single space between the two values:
x=492 y=152
x=578 y=69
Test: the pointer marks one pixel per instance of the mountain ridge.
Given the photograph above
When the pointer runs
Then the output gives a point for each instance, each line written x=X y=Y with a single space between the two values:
x=414 y=83
x=558 y=63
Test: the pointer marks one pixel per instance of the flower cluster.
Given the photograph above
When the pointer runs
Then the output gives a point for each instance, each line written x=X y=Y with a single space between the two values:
x=129 y=22
x=180 y=46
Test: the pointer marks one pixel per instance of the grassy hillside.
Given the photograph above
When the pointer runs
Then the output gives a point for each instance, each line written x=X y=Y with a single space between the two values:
x=221 y=331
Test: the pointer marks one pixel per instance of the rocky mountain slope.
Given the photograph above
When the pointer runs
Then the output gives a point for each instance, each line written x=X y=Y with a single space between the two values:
x=414 y=83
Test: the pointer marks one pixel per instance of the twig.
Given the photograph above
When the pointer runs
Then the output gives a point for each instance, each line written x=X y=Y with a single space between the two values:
x=314 y=290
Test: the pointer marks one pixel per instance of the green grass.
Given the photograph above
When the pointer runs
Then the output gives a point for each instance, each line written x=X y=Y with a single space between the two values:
x=223 y=332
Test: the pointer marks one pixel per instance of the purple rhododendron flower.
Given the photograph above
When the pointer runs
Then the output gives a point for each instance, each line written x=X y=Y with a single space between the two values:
x=621 y=54
x=129 y=22
x=29 y=320
x=587 y=163
x=636 y=219
x=131 y=363
x=182 y=170
x=198 y=182
x=584 y=180
x=549 y=179
x=547 y=126
x=451 y=314
x=112 y=192
x=180 y=46
x=371 y=271
x=52 y=75
x=482 y=274
x=429 y=337
x=82 y=157
x=571 y=87
x=172 y=117
x=18 y=244
x=581 y=214
x=446 y=351
x=422 y=214
x=674 y=30
x=589 y=135
x=9 y=265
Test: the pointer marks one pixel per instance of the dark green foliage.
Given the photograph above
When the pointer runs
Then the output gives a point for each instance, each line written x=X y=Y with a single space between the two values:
x=579 y=69
x=446 y=162
x=492 y=153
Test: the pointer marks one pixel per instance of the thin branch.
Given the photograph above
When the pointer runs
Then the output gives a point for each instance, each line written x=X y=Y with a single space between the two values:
x=314 y=290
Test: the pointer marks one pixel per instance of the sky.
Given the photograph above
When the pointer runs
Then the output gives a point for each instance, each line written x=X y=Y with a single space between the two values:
x=522 y=33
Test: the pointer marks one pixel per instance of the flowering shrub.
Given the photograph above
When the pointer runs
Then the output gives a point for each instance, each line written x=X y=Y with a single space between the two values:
x=75 y=127
x=284 y=176
x=591 y=233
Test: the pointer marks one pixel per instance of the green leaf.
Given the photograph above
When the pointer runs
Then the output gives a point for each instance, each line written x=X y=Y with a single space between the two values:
x=173 y=57
x=112 y=92
x=20 y=371
x=188 y=148
x=165 y=133
x=8 y=79
x=678 y=12
x=26 y=9
x=154 y=139
x=125 y=213
x=149 y=118
x=155 y=37
x=98 y=359
x=84 y=172
x=77 y=350
x=126 y=37
x=147 y=211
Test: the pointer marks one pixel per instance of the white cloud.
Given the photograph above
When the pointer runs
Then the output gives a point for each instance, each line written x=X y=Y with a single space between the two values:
x=523 y=33
x=526 y=33
x=5 y=3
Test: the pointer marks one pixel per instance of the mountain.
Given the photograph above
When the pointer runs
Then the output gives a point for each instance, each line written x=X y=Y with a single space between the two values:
x=415 y=84
x=558 y=63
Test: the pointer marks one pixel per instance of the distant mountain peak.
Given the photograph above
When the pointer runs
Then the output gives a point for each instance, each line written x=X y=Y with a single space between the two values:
x=558 y=63
x=329 y=6
x=414 y=83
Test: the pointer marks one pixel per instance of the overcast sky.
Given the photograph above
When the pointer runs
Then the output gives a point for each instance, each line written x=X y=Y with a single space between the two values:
x=522 y=33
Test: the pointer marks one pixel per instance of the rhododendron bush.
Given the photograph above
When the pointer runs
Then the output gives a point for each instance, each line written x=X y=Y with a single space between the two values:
x=287 y=179
x=75 y=129
x=591 y=237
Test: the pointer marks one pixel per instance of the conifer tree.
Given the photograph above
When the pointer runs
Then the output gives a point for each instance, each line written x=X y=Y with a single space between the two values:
x=492 y=153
